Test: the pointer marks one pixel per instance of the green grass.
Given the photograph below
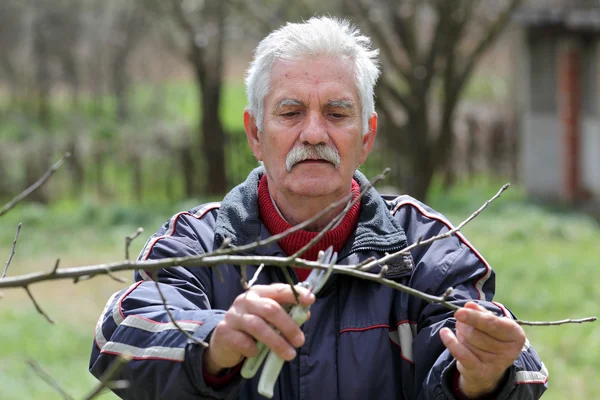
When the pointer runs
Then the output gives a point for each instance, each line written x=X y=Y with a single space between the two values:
x=546 y=263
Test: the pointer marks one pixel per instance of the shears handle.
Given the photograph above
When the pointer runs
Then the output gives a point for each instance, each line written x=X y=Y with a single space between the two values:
x=274 y=363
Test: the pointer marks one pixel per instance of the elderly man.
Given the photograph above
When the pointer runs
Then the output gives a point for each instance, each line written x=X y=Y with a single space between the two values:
x=311 y=121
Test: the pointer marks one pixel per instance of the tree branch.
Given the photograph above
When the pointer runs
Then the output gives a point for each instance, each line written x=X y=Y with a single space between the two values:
x=212 y=259
x=171 y=317
x=105 y=380
x=490 y=36
x=35 y=186
x=48 y=379
x=129 y=239
x=338 y=217
x=37 y=306
x=391 y=48
x=12 y=252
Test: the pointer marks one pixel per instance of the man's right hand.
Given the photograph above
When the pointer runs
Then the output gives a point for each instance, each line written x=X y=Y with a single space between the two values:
x=254 y=316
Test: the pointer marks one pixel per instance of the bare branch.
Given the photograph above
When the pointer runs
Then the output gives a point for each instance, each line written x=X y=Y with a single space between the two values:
x=111 y=372
x=263 y=15
x=255 y=277
x=212 y=259
x=555 y=323
x=56 y=265
x=171 y=317
x=48 y=379
x=388 y=42
x=223 y=250
x=420 y=242
x=244 y=277
x=129 y=239
x=37 y=306
x=490 y=36
x=340 y=215
x=36 y=185
x=396 y=95
x=12 y=252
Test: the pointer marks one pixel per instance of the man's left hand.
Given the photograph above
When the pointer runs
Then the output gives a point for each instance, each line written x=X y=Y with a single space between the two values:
x=484 y=346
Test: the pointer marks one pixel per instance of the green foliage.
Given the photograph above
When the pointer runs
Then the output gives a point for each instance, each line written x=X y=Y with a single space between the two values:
x=60 y=350
x=546 y=261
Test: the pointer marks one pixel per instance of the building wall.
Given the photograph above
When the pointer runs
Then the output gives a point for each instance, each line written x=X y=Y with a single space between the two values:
x=540 y=166
x=543 y=158
x=590 y=122
x=590 y=156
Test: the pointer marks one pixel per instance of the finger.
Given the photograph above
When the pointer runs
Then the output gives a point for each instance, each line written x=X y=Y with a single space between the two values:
x=272 y=312
x=283 y=294
x=235 y=341
x=258 y=328
x=500 y=328
x=478 y=341
x=460 y=352
x=474 y=306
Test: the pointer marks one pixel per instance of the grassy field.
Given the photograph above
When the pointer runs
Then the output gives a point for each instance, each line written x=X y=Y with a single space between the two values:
x=546 y=263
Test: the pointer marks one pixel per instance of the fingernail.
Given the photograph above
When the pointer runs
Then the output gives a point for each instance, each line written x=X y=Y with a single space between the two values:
x=461 y=316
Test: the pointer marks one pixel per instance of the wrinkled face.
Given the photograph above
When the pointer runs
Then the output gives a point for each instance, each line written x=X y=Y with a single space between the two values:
x=312 y=140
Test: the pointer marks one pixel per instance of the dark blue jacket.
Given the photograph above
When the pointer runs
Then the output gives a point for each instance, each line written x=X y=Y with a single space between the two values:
x=363 y=340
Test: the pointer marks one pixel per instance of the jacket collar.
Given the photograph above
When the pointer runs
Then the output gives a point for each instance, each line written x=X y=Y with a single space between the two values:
x=239 y=220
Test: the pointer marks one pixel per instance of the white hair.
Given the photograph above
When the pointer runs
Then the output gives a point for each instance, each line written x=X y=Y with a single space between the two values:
x=319 y=36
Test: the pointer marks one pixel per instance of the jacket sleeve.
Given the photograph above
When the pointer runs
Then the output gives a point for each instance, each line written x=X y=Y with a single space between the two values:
x=453 y=262
x=165 y=364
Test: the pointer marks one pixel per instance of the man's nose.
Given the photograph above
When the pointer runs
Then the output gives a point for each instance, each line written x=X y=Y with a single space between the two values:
x=314 y=131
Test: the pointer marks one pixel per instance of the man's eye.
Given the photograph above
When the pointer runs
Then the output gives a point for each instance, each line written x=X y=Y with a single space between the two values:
x=337 y=115
x=289 y=114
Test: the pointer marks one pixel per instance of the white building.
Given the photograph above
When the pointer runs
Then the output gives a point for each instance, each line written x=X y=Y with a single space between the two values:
x=559 y=107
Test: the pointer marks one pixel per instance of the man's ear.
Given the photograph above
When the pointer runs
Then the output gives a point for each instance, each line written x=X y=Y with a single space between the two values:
x=369 y=137
x=252 y=135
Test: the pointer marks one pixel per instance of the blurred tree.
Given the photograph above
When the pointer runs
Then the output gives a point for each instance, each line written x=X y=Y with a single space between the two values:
x=429 y=49
x=200 y=25
x=129 y=24
x=11 y=37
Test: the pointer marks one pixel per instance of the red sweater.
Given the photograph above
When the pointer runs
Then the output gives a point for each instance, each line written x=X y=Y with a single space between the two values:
x=275 y=224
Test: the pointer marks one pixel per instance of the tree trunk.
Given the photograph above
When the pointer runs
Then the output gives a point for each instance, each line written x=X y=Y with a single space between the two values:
x=208 y=68
x=213 y=140
x=119 y=81
x=186 y=158
x=75 y=168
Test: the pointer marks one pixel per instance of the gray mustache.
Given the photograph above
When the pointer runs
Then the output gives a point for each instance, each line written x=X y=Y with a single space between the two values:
x=308 y=152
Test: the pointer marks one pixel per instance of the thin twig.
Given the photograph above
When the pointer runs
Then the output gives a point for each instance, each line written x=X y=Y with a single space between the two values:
x=33 y=187
x=111 y=372
x=219 y=274
x=554 y=323
x=244 y=278
x=212 y=259
x=48 y=379
x=171 y=317
x=115 y=278
x=12 y=252
x=255 y=276
x=37 y=306
x=129 y=239
x=56 y=266
x=420 y=242
x=340 y=215
x=295 y=228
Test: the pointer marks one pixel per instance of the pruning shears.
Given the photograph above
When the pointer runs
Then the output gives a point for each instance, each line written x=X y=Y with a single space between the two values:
x=299 y=314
